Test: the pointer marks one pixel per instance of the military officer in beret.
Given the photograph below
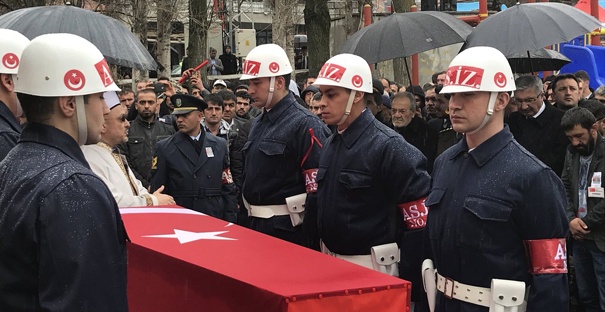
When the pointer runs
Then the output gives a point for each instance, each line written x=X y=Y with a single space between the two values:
x=193 y=165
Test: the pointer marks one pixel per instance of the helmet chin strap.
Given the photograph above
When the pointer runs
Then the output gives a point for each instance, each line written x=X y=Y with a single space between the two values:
x=271 y=89
x=82 y=125
x=490 y=110
x=348 y=108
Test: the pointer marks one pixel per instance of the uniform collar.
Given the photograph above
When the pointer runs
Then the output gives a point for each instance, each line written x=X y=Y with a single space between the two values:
x=280 y=107
x=357 y=127
x=483 y=153
x=53 y=137
x=6 y=113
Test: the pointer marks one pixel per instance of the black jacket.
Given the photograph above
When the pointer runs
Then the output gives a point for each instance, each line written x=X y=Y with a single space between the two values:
x=62 y=241
x=200 y=182
x=423 y=137
x=142 y=138
x=542 y=136
x=229 y=63
x=9 y=130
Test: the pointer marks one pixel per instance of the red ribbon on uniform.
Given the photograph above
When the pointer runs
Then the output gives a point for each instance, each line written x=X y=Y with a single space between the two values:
x=227 y=178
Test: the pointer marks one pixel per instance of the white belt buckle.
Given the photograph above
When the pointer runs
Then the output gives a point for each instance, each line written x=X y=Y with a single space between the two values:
x=448 y=292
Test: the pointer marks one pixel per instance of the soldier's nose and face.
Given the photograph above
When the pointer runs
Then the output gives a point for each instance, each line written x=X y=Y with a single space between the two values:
x=333 y=103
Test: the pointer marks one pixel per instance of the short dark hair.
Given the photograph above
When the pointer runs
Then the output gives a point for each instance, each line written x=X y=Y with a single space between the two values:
x=582 y=75
x=164 y=78
x=595 y=107
x=563 y=77
x=214 y=99
x=577 y=116
x=125 y=91
x=317 y=96
x=435 y=75
x=147 y=90
x=227 y=95
x=243 y=95
x=38 y=108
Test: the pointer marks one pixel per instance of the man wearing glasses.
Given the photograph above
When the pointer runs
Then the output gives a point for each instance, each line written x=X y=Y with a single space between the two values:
x=413 y=128
x=536 y=126
x=112 y=167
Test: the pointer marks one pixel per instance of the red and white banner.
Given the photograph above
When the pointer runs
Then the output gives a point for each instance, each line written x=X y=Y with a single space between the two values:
x=182 y=260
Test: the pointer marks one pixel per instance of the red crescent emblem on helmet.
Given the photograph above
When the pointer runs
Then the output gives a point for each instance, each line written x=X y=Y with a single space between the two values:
x=10 y=60
x=500 y=80
x=274 y=67
x=74 y=80
x=357 y=81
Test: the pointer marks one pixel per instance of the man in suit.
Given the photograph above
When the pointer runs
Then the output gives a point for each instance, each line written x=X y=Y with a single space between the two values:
x=215 y=66
x=193 y=164
x=537 y=126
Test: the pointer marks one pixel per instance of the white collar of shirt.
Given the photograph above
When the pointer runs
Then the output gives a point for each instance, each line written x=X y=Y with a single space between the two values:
x=540 y=111
x=196 y=138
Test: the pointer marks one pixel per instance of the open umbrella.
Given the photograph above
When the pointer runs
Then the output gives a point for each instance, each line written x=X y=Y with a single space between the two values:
x=540 y=60
x=112 y=38
x=405 y=34
x=531 y=26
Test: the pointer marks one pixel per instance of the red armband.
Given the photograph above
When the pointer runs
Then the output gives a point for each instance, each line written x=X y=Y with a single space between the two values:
x=547 y=256
x=414 y=214
x=310 y=184
x=227 y=178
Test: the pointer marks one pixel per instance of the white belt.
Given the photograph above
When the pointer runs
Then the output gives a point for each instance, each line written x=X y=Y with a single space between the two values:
x=362 y=260
x=267 y=211
x=467 y=293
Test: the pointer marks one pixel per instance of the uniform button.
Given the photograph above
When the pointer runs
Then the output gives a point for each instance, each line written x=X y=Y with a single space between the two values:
x=465 y=155
x=194 y=176
x=208 y=176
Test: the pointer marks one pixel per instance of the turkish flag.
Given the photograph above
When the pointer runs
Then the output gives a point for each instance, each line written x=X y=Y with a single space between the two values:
x=182 y=260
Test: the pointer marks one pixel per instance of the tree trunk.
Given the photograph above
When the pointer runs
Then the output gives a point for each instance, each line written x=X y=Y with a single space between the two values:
x=283 y=26
x=198 y=33
x=399 y=72
x=317 y=23
x=139 y=28
x=165 y=13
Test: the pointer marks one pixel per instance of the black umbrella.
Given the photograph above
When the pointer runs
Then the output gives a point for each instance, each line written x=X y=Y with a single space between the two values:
x=540 y=60
x=405 y=34
x=112 y=38
x=531 y=26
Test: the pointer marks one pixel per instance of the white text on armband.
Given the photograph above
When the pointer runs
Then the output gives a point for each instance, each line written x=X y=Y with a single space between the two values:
x=547 y=256
x=414 y=214
x=310 y=183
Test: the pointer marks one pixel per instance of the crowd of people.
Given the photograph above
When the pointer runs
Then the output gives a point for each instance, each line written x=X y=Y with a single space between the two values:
x=474 y=186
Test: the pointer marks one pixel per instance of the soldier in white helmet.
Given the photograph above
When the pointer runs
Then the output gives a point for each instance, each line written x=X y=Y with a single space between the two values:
x=12 y=44
x=62 y=241
x=371 y=182
x=282 y=152
x=497 y=222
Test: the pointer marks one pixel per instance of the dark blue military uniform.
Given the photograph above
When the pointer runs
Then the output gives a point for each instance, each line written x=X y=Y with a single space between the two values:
x=9 y=130
x=62 y=241
x=199 y=182
x=484 y=204
x=274 y=154
x=363 y=175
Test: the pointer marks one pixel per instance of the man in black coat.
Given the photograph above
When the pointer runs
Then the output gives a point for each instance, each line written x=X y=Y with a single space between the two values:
x=229 y=62
x=413 y=128
x=193 y=164
x=537 y=125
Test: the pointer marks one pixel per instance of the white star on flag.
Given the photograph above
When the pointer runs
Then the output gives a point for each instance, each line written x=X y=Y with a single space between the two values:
x=187 y=237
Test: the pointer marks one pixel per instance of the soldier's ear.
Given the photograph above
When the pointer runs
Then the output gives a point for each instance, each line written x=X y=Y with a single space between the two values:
x=67 y=105
x=501 y=101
